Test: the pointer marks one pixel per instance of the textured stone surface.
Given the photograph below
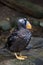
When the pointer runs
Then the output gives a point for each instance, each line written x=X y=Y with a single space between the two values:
x=26 y=7
x=35 y=56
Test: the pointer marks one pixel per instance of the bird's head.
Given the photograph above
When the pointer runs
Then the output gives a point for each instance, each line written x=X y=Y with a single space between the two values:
x=23 y=22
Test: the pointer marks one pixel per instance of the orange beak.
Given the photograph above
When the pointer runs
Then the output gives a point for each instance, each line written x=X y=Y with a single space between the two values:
x=28 y=25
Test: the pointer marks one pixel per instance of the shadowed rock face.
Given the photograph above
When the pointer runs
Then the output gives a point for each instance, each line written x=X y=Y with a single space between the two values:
x=38 y=2
x=28 y=7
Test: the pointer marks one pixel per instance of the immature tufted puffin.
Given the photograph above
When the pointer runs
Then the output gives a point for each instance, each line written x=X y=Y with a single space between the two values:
x=20 y=38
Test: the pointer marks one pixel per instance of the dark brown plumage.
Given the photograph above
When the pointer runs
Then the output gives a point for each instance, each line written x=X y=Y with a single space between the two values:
x=18 y=40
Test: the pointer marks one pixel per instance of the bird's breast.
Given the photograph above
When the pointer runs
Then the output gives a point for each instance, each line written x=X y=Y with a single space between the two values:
x=25 y=34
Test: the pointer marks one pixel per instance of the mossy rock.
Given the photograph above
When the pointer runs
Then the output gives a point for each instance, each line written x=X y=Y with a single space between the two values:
x=5 y=25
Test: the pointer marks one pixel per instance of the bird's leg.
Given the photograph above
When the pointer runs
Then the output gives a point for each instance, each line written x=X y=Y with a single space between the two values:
x=20 y=57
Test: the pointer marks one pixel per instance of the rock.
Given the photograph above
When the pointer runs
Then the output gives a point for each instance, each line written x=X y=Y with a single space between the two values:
x=5 y=25
x=25 y=7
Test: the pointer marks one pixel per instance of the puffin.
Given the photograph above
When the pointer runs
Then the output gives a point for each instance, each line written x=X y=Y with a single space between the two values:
x=20 y=38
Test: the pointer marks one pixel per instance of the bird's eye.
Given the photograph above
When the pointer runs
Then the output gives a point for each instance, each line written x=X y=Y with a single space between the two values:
x=25 y=22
